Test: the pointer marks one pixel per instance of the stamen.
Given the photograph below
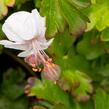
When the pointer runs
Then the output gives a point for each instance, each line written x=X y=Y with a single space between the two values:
x=35 y=69
x=44 y=54
x=51 y=70
x=39 y=57
x=37 y=48
x=33 y=65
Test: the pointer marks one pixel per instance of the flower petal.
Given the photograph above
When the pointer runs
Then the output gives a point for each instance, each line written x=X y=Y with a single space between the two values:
x=20 y=25
x=10 y=34
x=50 y=41
x=44 y=45
x=40 y=23
x=25 y=53
x=12 y=26
x=9 y=44
x=5 y=42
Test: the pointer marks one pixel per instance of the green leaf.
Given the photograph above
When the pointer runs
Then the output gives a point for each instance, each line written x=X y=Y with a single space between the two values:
x=80 y=3
x=19 y=3
x=3 y=9
x=37 y=3
x=93 y=1
x=80 y=84
x=87 y=105
x=20 y=104
x=64 y=54
x=11 y=90
x=59 y=106
x=98 y=15
x=39 y=107
x=90 y=46
x=11 y=83
x=2 y=35
x=4 y=4
x=51 y=92
x=4 y=103
x=74 y=20
x=105 y=35
x=101 y=99
x=73 y=62
x=104 y=70
x=60 y=13
x=61 y=44
x=9 y=3
x=51 y=10
x=9 y=104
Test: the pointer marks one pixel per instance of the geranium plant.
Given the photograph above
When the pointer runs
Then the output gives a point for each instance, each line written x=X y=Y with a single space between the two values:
x=54 y=54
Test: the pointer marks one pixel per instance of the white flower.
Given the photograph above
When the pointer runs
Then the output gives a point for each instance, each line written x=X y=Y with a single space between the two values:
x=26 y=32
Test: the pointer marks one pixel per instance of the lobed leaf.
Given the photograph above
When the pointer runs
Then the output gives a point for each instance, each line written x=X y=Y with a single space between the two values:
x=60 y=13
x=79 y=84
x=51 y=92
x=98 y=15
x=90 y=46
